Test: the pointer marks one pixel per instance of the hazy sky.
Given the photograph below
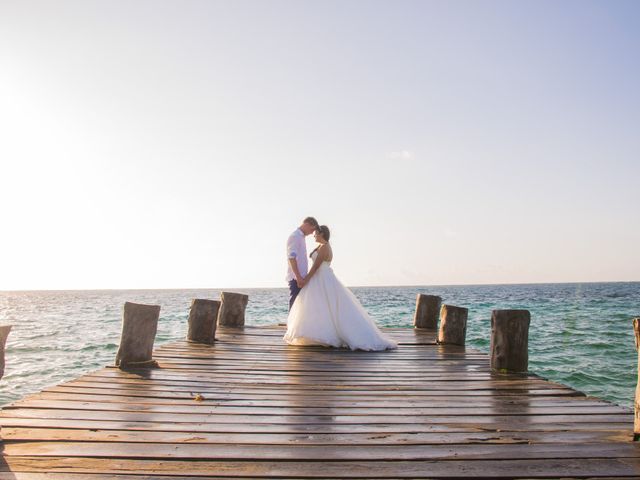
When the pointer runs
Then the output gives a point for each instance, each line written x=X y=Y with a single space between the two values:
x=157 y=144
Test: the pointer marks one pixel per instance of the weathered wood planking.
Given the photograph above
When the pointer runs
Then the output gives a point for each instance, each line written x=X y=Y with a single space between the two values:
x=268 y=410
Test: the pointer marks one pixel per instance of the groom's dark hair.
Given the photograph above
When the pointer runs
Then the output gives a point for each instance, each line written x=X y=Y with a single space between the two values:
x=311 y=221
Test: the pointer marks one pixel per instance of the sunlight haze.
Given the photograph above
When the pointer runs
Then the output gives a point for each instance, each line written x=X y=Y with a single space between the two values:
x=166 y=144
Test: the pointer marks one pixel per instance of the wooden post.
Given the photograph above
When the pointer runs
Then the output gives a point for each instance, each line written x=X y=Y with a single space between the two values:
x=4 y=333
x=427 y=310
x=139 y=327
x=510 y=341
x=453 y=325
x=636 y=402
x=202 y=320
x=232 y=309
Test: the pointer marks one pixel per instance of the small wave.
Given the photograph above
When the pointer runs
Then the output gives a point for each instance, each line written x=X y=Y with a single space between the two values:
x=98 y=347
x=616 y=295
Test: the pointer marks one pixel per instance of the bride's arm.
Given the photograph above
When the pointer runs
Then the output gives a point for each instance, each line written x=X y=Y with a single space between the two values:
x=322 y=255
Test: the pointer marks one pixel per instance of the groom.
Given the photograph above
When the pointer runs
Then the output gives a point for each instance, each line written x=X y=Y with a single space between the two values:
x=297 y=257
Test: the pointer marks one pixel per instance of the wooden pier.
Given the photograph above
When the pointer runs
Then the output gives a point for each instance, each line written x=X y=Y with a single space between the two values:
x=252 y=407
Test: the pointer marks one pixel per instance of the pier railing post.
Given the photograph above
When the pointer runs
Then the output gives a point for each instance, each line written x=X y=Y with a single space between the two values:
x=427 y=311
x=636 y=401
x=232 y=309
x=510 y=341
x=4 y=333
x=453 y=325
x=203 y=316
x=139 y=327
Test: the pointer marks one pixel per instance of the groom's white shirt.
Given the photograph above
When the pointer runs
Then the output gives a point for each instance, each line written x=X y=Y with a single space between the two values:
x=297 y=248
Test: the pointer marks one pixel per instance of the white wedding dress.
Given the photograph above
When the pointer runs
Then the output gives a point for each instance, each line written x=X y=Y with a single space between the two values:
x=326 y=313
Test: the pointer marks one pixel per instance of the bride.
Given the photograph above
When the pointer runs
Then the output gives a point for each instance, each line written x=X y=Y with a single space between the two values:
x=327 y=313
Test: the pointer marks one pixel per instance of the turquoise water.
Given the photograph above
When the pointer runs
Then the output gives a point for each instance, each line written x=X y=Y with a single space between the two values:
x=580 y=334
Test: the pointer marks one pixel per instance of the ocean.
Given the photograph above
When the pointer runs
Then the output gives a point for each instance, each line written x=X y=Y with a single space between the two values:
x=581 y=334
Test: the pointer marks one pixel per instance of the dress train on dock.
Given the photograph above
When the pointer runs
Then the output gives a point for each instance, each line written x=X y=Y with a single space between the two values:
x=327 y=313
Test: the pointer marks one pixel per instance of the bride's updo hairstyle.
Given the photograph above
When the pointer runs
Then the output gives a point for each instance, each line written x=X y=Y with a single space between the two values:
x=324 y=231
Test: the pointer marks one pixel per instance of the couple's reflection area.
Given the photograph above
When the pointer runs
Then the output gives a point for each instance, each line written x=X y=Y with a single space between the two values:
x=311 y=391
x=328 y=392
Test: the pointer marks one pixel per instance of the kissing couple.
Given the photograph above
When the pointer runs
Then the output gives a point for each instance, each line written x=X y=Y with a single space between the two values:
x=322 y=311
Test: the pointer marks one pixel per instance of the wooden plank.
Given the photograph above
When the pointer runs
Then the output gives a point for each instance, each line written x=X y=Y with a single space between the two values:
x=142 y=396
x=470 y=436
x=358 y=358
x=142 y=416
x=301 y=408
x=259 y=391
x=99 y=476
x=375 y=428
x=230 y=452
x=313 y=384
x=202 y=378
x=535 y=468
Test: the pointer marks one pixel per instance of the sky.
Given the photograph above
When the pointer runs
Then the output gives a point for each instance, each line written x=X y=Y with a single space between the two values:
x=177 y=144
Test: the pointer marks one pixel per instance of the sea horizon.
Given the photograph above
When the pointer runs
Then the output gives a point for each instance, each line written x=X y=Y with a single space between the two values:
x=284 y=287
